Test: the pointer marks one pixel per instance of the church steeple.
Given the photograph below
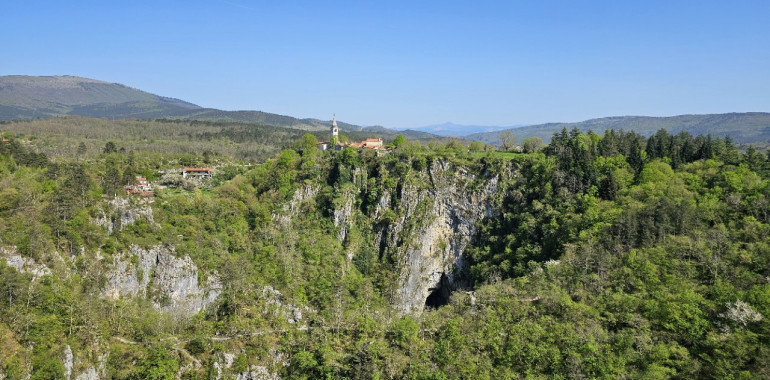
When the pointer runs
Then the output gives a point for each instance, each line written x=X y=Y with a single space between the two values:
x=335 y=131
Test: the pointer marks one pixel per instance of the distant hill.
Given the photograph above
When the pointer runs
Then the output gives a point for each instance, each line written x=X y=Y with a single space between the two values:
x=412 y=134
x=457 y=130
x=747 y=128
x=27 y=97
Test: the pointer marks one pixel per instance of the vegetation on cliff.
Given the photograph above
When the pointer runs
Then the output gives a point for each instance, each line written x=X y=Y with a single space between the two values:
x=612 y=256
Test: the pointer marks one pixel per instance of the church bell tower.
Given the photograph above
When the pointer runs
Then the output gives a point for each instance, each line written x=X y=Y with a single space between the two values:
x=335 y=132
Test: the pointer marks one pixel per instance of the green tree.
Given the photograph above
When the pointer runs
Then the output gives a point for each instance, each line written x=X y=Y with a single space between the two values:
x=159 y=365
x=111 y=179
x=110 y=147
x=307 y=144
x=532 y=144
x=476 y=146
x=81 y=153
x=399 y=141
x=507 y=140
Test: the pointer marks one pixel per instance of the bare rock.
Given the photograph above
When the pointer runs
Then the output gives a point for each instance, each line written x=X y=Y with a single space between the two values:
x=257 y=372
x=171 y=282
x=121 y=213
x=437 y=224
x=23 y=264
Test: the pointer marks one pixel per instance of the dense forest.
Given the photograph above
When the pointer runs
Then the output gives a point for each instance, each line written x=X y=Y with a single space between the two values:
x=597 y=256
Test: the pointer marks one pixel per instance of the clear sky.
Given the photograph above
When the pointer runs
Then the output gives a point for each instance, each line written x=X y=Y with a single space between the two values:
x=409 y=63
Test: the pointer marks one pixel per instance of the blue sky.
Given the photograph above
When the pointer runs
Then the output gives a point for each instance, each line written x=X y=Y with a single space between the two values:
x=409 y=63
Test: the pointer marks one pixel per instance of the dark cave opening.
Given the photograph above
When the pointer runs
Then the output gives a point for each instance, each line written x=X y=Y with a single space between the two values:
x=439 y=296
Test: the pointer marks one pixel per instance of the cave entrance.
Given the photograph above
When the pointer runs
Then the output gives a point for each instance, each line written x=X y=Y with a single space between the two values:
x=439 y=296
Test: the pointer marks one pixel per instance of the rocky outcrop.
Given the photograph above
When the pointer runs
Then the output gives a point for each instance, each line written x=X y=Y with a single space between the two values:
x=76 y=362
x=89 y=374
x=293 y=207
x=257 y=372
x=224 y=362
x=121 y=213
x=439 y=212
x=169 y=281
x=23 y=264
x=293 y=314
x=343 y=215
x=68 y=362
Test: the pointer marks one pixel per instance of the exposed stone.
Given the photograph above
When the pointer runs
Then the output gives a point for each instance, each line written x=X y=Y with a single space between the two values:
x=68 y=362
x=121 y=213
x=89 y=374
x=229 y=358
x=382 y=205
x=343 y=215
x=257 y=372
x=293 y=207
x=293 y=314
x=169 y=281
x=436 y=225
x=23 y=264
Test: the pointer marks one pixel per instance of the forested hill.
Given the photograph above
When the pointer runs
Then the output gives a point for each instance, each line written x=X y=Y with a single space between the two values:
x=28 y=97
x=609 y=256
x=748 y=128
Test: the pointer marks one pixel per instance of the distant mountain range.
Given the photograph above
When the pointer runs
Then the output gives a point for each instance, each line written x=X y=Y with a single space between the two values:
x=749 y=127
x=29 y=97
x=458 y=130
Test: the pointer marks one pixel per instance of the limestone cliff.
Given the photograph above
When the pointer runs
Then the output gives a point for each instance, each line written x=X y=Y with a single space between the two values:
x=23 y=264
x=172 y=283
x=438 y=215
x=119 y=212
x=436 y=211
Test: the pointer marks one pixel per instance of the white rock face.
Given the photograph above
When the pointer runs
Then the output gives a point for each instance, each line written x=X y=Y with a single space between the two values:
x=89 y=374
x=293 y=314
x=23 y=264
x=441 y=218
x=68 y=362
x=293 y=207
x=175 y=288
x=121 y=213
x=257 y=372
x=343 y=216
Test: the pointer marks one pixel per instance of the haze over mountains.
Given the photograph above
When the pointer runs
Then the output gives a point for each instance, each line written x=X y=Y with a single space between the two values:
x=749 y=127
x=28 y=97
x=458 y=130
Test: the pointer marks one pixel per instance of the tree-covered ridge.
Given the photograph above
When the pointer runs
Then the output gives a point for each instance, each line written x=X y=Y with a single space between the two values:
x=607 y=256
x=744 y=128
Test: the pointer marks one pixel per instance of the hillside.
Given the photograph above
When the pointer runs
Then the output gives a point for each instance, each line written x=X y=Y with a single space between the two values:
x=28 y=97
x=616 y=257
x=747 y=128
x=24 y=97
x=59 y=137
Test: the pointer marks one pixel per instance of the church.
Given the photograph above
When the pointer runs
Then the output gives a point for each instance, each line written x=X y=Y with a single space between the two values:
x=334 y=141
